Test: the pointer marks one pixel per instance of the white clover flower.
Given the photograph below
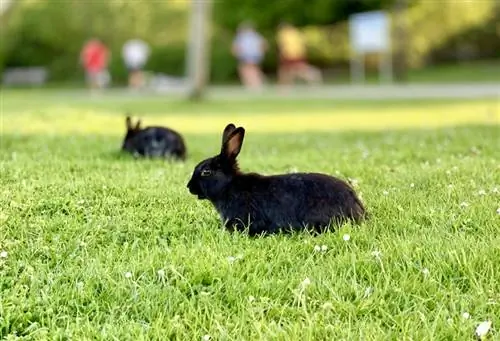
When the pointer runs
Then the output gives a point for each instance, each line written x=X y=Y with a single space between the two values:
x=368 y=292
x=128 y=274
x=324 y=248
x=466 y=315
x=4 y=254
x=317 y=248
x=161 y=273
x=425 y=271
x=206 y=337
x=376 y=254
x=305 y=283
x=495 y=190
x=412 y=185
x=327 y=306
x=464 y=204
x=251 y=298
x=231 y=259
x=346 y=237
x=481 y=192
x=483 y=329
x=498 y=210
x=385 y=193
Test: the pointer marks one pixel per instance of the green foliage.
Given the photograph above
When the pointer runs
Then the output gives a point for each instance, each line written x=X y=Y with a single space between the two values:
x=268 y=14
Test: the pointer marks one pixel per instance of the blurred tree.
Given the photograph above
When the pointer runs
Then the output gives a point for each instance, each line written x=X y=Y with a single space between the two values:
x=267 y=14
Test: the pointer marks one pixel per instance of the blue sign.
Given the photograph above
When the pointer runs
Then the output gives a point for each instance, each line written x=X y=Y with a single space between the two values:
x=369 y=32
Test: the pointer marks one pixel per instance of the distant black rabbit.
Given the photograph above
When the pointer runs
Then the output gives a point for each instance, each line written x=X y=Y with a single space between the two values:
x=153 y=141
x=270 y=204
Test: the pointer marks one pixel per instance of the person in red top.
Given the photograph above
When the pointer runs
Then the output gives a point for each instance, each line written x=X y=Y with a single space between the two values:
x=94 y=57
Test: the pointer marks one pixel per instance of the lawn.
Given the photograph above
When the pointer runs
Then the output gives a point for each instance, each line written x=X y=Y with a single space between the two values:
x=97 y=245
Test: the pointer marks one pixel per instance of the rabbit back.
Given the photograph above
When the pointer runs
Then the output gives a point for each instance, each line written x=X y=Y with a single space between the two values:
x=159 y=142
x=268 y=204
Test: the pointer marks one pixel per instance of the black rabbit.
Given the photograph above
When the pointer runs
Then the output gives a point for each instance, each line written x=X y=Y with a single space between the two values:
x=153 y=141
x=270 y=204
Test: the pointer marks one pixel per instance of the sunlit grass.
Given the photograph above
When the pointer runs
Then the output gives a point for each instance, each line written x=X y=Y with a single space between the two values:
x=102 y=118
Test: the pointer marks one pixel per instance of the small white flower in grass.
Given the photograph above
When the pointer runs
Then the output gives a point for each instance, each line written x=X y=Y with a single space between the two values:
x=450 y=186
x=305 y=283
x=385 y=193
x=161 y=273
x=251 y=298
x=128 y=274
x=448 y=172
x=376 y=254
x=368 y=292
x=79 y=285
x=327 y=306
x=481 y=192
x=322 y=248
x=425 y=271
x=231 y=259
x=412 y=185
x=464 y=204
x=206 y=338
x=466 y=315
x=4 y=254
x=450 y=320
x=498 y=210
x=483 y=328
x=346 y=237
x=495 y=190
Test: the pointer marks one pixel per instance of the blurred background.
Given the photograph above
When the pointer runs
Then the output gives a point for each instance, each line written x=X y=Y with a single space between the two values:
x=42 y=41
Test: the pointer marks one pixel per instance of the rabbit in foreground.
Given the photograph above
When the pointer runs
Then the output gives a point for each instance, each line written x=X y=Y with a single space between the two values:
x=153 y=141
x=270 y=204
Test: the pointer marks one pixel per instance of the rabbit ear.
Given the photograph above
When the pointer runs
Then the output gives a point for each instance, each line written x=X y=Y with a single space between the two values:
x=232 y=146
x=138 y=125
x=128 y=122
x=228 y=130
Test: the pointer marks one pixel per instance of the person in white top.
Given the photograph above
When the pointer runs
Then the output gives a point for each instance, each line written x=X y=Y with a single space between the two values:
x=135 y=53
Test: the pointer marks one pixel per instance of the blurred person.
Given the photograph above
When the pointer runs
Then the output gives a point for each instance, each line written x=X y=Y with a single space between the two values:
x=135 y=53
x=249 y=48
x=95 y=57
x=292 y=57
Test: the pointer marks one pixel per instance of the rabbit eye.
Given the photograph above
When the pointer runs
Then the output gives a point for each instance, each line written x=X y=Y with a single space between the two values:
x=206 y=172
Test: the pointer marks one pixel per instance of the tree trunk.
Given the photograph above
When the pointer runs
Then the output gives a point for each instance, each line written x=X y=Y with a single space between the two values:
x=400 y=42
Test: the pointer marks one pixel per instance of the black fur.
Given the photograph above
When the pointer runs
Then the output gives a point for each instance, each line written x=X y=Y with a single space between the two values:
x=153 y=141
x=270 y=204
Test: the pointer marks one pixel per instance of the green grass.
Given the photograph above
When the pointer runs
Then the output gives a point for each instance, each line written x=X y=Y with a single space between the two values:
x=76 y=217
x=486 y=71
